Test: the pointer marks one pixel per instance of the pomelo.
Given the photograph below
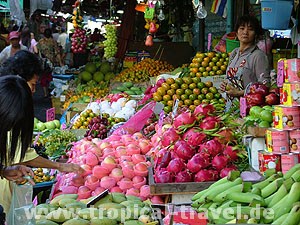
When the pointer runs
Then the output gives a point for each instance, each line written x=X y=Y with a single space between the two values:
x=86 y=76
x=105 y=67
x=109 y=76
x=98 y=76
x=90 y=67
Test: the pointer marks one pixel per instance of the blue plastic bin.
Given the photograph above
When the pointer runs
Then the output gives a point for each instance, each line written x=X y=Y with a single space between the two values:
x=276 y=14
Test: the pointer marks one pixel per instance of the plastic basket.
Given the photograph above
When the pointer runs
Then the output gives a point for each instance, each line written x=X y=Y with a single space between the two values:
x=276 y=14
x=231 y=44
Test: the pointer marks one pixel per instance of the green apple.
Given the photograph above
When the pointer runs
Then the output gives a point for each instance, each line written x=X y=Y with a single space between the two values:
x=50 y=125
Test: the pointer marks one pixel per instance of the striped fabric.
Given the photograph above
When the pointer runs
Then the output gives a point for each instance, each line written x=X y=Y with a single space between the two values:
x=219 y=7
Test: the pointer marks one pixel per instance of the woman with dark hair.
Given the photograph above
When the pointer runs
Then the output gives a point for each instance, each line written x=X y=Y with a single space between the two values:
x=25 y=64
x=49 y=49
x=247 y=63
x=28 y=41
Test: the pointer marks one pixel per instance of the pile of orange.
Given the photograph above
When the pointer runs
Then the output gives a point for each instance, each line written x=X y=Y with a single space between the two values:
x=190 y=92
x=208 y=64
x=141 y=71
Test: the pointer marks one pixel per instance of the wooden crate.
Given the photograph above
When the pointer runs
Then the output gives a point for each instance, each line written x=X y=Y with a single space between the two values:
x=175 y=188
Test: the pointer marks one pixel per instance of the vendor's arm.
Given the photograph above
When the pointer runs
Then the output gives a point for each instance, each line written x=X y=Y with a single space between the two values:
x=233 y=92
x=46 y=163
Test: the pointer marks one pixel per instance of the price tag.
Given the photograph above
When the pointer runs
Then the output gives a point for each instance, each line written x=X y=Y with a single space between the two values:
x=280 y=73
x=209 y=41
x=243 y=107
x=50 y=114
x=175 y=107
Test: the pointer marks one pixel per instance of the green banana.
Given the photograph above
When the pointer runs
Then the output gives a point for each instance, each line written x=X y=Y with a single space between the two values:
x=252 y=221
x=269 y=199
x=221 y=197
x=291 y=171
x=246 y=187
x=226 y=204
x=204 y=207
x=265 y=182
x=233 y=175
x=281 y=219
x=296 y=176
x=240 y=211
x=256 y=190
x=199 y=194
x=269 y=172
x=245 y=198
x=219 y=189
x=293 y=217
x=278 y=196
x=287 y=202
x=272 y=187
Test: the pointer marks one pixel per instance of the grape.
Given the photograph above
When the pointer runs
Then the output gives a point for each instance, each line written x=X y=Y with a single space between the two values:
x=110 y=44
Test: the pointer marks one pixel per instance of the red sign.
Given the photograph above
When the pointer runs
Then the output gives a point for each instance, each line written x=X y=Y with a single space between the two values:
x=50 y=114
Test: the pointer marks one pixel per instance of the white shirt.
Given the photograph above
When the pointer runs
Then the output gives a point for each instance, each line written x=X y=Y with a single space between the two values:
x=6 y=52
x=61 y=40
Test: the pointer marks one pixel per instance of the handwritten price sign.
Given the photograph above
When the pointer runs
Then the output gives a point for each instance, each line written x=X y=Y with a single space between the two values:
x=50 y=114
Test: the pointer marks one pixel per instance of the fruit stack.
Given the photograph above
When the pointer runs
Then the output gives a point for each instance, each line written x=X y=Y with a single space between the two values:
x=286 y=118
x=232 y=200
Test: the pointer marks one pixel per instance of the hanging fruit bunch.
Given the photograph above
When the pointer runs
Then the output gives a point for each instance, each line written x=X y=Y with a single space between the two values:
x=79 y=38
x=151 y=24
x=110 y=44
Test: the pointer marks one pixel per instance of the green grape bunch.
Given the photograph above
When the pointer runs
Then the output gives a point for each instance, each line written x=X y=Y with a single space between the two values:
x=110 y=44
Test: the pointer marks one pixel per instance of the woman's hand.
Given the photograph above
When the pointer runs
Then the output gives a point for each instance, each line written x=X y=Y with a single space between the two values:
x=233 y=92
x=223 y=85
x=70 y=167
x=17 y=173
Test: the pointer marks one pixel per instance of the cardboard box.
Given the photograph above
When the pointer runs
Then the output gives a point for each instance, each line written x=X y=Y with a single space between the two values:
x=57 y=104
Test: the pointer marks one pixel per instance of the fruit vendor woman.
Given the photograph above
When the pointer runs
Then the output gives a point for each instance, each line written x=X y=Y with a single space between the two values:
x=16 y=110
x=247 y=63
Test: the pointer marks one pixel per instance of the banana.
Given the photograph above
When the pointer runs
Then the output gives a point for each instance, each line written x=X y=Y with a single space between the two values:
x=267 y=181
x=256 y=190
x=233 y=175
x=296 y=176
x=219 y=189
x=245 y=197
x=214 y=206
x=221 y=197
x=269 y=199
x=293 y=217
x=272 y=187
x=279 y=195
x=244 y=212
x=199 y=194
x=226 y=204
x=287 y=202
x=231 y=221
x=291 y=171
x=247 y=186
x=269 y=172
x=281 y=219
x=204 y=207
x=252 y=221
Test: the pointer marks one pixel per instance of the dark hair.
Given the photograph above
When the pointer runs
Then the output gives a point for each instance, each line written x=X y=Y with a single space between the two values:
x=25 y=37
x=252 y=21
x=16 y=116
x=24 y=64
x=48 y=33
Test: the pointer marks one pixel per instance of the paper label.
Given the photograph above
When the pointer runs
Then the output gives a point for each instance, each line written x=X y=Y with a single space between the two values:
x=50 y=114
x=243 y=107
x=280 y=73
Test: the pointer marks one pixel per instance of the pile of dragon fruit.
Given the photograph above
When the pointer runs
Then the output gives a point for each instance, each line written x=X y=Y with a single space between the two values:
x=198 y=146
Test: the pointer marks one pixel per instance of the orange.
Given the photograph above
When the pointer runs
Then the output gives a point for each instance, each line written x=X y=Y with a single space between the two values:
x=211 y=64
x=212 y=73
x=170 y=81
x=161 y=91
x=167 y=98
x=165 y=86
x=174 y=86
x=192 y=107
x=208 y=84
x=179 y=91
x=197 y=102
x=198 y=74
x=210 y=54
x=209 y=96
x=204 y=64
x=213 y=90
x=184 y=97
x=194 y=71
x=188 y=91
x=170 y=92
x=204 y=90
x=180 y=103
x=184 y=86
x=196 y=91
x=174 y=97
x=188 y=102
x=179 y=81
x=157 y=97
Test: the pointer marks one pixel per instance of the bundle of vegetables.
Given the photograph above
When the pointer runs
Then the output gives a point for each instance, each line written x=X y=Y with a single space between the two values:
x=117 y=163
x=274 y=200
x=143 y=70
x=260 y=95
x=198 y=146
x=56 y=142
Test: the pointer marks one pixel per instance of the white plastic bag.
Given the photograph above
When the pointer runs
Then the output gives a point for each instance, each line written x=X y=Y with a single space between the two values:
x=21 y=208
